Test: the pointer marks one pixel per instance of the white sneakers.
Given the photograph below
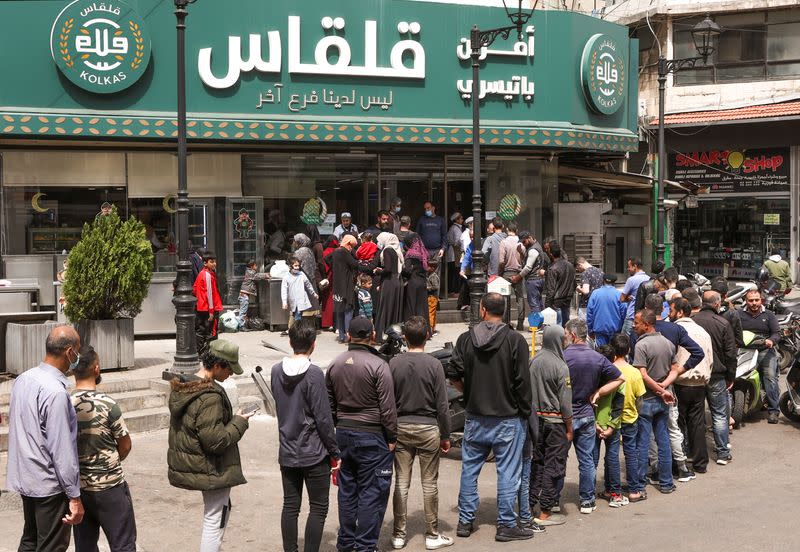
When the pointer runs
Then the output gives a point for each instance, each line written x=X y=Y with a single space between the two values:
x=439 y=541
x=398 y=543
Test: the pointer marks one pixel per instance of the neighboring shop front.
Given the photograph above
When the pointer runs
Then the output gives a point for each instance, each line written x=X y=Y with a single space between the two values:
x=744 y=209
x=298 y=112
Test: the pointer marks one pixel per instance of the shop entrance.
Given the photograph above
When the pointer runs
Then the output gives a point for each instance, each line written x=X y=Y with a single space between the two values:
x=621 y=244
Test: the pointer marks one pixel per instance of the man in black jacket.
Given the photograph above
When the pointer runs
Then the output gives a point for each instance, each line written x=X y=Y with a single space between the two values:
x=423 y=429
x=723 y=370
x=490 y=361
x=763 y=323
x=559 y=283
x=361 y=393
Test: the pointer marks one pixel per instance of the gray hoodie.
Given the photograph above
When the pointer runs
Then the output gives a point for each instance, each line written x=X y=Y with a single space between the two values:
x=552 y=392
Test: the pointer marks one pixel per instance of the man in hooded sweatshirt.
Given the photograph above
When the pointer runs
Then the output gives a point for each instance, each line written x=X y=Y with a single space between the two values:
x=490 y=363
x=308 y=449
x=204 y=434
x=552 y=399
x=779 y=270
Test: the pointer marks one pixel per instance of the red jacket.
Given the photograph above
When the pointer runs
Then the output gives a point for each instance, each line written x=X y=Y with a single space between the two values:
x=366 y=252
x=205 y=289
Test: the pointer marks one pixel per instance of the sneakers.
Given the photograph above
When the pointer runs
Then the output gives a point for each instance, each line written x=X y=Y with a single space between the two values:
x=437 y=542
x=532 y=525
x=698 y=469
x=507 y=534
x=724 y=460
x=652 y=478
x=398 y=543
x=588 y=507
x=685 y=475
x=618 y=500
x=554 y=519
x=667 y=490
x=464 y=530
x=773 y=418
x=555 y=509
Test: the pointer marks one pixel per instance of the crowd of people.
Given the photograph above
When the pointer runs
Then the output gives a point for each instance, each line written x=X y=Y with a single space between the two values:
x=627 y=375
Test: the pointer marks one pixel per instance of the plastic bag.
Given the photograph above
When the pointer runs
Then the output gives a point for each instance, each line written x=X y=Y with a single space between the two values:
x=229 y=321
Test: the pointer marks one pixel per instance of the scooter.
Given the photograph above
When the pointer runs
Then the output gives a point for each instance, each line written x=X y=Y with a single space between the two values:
x=746 y=392
x=790 y=399
x=789 y=344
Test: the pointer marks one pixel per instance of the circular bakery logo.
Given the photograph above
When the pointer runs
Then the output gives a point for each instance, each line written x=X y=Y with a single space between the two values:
x=603 y=74
x=100 y=47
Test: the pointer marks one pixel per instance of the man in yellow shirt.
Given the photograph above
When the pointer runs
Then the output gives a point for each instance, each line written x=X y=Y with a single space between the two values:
x=634 y=390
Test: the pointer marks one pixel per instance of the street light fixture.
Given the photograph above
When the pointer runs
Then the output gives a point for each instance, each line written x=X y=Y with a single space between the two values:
x=704 y=36
x=186 y=359
x=479 y=39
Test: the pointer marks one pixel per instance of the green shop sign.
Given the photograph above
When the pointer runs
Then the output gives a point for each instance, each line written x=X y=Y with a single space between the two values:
x=99 y=47
x=384 y=71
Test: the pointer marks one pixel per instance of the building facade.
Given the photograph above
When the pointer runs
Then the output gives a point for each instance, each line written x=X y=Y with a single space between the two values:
x=730 y=125
x=298 y=112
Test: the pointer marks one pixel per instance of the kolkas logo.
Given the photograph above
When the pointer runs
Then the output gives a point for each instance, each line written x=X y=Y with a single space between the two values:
x=102 y=48
x=603 y=74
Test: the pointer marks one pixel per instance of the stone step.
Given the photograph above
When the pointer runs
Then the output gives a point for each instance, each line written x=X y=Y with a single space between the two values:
x=109 y=386
x=149 y=419
x=143 y=399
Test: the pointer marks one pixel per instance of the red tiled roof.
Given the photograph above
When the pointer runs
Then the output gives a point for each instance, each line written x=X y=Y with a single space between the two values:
x=741 y=113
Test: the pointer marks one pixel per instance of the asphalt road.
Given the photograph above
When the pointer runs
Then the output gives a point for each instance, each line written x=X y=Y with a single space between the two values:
x=750 y=504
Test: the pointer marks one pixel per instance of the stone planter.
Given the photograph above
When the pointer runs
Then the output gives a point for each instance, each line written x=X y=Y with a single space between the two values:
x=25 y=345
x=112 y=339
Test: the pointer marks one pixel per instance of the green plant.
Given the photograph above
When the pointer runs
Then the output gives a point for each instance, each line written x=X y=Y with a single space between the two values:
x=109 y=270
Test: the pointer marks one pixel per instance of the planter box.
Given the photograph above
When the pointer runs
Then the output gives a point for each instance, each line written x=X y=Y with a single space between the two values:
x=112 y=339
x=25 y=345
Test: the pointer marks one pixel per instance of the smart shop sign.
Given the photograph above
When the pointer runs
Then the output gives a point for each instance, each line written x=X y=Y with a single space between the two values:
x=100 y=47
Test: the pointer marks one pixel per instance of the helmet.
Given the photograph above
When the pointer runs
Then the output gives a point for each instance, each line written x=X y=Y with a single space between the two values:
x=763 y=275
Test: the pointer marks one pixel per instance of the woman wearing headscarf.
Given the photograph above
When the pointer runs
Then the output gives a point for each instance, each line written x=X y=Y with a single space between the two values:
x=390 y=307
x=552 y=401
x=415 y=249
x=453 y=256
x=415 y=289
x=344 y=267
x=316 y=247
x=326 y=295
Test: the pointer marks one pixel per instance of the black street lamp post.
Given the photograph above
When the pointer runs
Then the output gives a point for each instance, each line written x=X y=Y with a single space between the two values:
x=186 y=360
x=478 y=40
x=703 y=35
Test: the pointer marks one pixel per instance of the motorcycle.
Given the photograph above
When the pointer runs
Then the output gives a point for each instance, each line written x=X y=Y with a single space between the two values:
x=394 y=344
x=746 y=393
x=789 y=344
x=790 y=399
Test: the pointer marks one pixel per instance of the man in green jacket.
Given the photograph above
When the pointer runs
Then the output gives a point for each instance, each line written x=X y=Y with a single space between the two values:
x=203 y=435
x=779 y=270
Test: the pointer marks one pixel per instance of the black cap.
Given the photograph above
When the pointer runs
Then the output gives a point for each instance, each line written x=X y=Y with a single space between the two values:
x=360 y=328
x=610 y=278
x=524 y=235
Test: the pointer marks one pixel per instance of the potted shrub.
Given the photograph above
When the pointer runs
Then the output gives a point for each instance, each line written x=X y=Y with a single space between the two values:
x=107 y=279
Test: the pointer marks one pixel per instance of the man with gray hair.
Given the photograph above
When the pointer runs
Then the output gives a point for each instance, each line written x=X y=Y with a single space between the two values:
x=723 y=370
x=592 y=376
x=42 y=446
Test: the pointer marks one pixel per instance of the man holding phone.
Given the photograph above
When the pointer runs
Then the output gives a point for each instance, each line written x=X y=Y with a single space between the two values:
x=204 y=434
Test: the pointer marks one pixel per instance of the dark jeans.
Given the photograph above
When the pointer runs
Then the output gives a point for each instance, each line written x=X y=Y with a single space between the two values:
x=563 y=314
x=463 y=293
x=44 y=531
x=654 y=421
x=534 y=288
x=692 y=421
x=317 y=480
x=342 y=322
x=111 y=510
x=768 y=367
x=519 y=297
x=365 y=480
x=549 y=465
x=611 y=469
x=205 y=328
x=718 y=405
x=629 y=434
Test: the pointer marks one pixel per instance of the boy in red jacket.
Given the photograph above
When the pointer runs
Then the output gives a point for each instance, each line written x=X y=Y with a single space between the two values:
x=209 y=303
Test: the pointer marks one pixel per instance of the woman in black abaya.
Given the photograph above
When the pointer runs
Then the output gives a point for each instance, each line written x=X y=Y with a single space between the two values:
x=390 y=306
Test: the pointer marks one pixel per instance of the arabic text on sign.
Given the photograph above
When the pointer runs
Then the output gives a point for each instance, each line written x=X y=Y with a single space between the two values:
x=517 y=86
x=298 y=102
x=520 y=48
x=341 y=67
x=102 y=45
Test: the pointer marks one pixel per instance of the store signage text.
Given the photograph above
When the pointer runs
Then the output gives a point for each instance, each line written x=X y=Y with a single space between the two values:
x=732 y=160
x=102 y=48
x=299 y=102
x=324 y=47
x=729 y=170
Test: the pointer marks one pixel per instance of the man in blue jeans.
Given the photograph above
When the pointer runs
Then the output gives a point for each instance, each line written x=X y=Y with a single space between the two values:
x=637 y=277
x=592 y=376
x=655 y=359
x=361 y=393
x=490 y=365
x=764 y=324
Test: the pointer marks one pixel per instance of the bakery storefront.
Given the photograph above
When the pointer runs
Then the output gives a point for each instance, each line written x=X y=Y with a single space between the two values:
x=298 y=111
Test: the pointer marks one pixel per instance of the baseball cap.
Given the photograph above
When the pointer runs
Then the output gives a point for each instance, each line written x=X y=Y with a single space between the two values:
x=360 y=328
x=610 y=278
x=346 y=215
x=227 y=350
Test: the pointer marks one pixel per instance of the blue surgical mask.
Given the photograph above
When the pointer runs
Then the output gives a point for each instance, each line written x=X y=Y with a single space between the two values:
x=295 y=271
x=397 y=209
x=428 y=213
x=73 y=365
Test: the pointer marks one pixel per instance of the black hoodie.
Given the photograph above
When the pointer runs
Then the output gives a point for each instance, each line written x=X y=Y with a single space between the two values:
x=492 y=361
x=305 y=422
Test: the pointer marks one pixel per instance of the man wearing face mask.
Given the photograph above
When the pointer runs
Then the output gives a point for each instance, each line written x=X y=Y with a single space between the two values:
x=42 y=454
x=432 y=229
x=103 y=443
x=395 y=210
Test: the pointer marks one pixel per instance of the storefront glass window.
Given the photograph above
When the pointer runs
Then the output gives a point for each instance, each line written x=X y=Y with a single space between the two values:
x=44 y=219
x=731 y=237
x=158 y=217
